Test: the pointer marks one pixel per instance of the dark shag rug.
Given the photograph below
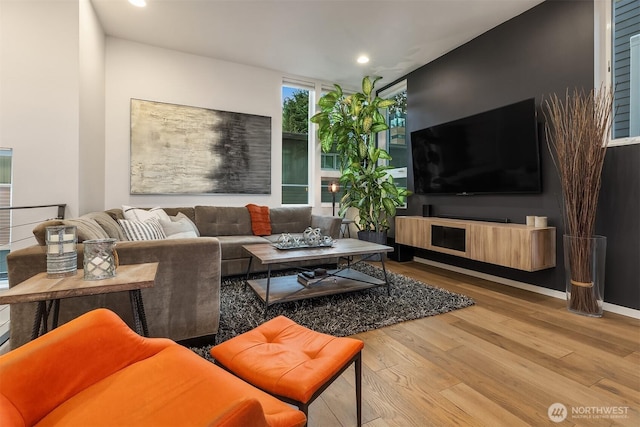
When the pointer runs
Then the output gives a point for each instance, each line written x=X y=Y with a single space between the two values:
x=339 y=315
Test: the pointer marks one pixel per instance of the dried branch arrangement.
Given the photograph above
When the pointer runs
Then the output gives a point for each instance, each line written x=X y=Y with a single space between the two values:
x=577 y=134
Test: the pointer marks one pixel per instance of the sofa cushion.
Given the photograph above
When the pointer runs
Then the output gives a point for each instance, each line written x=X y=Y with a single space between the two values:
x=294 y=219
x=179 y=229
x=137 y=214
x=231 y=246
x=260 y=220
x=217 y=221
x=87 y=229
x=182 y=217
x=189 y=212
x=108 y=224
x=142 y=230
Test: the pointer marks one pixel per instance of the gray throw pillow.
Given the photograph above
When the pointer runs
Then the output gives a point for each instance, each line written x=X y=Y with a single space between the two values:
x=87 y=229
x=180 y=229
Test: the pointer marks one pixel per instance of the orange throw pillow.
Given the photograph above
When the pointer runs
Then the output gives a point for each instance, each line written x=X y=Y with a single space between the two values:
x=260 y=220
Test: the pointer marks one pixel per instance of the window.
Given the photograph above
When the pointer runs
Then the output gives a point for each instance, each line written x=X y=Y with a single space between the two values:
x=5 y=215
x=617 y=53
x=306 y=170
x=295 y=145
x=394 y=140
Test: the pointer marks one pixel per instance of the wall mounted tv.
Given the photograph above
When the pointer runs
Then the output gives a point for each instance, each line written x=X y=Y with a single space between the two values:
x=493 y=152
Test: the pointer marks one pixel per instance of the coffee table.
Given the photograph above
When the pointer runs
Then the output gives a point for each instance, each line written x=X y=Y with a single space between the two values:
x=273 y=290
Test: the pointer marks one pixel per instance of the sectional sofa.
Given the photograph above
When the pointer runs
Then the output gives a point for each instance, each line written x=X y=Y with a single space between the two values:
x=185 y=301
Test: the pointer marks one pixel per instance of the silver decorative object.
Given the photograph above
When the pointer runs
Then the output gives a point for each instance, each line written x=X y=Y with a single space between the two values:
x=62 y=258
x=285 y=240
x=312 y=236
x=100 y=259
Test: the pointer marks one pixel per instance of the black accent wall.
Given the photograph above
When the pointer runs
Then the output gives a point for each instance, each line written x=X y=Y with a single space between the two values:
x=546 y=50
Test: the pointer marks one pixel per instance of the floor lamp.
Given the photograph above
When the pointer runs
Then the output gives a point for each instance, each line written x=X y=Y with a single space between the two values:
x=333 y=189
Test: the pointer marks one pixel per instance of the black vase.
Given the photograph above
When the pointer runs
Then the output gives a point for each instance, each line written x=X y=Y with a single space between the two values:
x=379 y=237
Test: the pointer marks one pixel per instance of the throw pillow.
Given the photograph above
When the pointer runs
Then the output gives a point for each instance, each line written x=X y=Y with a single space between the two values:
x=260 y=220
x=180 y=229
x=142 y=230
x=137 y=214
x=108 y=224
x=183 y=217
x=87 y=229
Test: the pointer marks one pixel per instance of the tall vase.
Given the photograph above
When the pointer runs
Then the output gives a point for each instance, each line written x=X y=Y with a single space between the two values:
x=584 y=261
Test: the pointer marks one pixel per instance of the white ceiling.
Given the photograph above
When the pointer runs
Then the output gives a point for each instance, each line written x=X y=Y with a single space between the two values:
x=320 y=39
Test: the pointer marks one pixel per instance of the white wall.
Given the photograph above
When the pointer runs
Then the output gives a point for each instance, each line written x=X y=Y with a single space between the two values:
x=135 y=70
x=91 y=120
x=39 y=104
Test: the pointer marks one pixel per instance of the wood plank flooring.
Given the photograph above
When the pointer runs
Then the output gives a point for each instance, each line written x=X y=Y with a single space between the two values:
x=501 y=362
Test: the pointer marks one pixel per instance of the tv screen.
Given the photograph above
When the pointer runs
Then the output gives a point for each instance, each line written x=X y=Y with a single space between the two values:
x=492 y=152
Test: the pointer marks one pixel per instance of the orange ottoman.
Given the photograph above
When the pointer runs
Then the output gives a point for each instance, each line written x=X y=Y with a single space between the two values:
x=291 y=362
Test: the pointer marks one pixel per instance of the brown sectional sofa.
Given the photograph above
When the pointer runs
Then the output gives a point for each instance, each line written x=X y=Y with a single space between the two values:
x=185 y=301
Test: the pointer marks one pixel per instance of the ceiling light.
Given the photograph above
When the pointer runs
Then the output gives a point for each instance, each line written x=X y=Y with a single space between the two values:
x=138 y=3
x=363 y=59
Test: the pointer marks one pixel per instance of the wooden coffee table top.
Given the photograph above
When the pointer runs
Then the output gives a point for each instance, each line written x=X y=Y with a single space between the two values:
x=41 y=288
x=269 y=254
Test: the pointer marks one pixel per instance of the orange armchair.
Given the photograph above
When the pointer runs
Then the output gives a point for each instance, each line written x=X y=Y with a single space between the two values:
x=96 y=371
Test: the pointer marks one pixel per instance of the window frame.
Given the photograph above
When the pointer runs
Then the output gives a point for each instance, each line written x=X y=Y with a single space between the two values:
x=603 y=58
x=400 y=172
x=311 y=87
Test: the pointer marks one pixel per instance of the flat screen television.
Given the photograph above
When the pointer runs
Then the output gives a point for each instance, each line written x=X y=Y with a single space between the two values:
x=493 y=152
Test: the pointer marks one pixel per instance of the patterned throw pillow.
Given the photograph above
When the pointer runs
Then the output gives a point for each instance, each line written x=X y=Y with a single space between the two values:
x=142 y=230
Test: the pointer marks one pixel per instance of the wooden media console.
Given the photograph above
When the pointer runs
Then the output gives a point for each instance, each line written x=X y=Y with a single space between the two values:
x=510 y=245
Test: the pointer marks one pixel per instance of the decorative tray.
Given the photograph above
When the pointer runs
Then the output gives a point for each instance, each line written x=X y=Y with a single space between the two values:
x=302 y=246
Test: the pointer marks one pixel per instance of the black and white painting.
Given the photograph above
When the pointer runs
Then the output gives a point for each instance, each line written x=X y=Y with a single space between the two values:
x=177 y=149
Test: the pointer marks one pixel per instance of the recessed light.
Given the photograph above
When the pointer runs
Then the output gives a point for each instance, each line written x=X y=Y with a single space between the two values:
x=363 y=59
x=138 y=3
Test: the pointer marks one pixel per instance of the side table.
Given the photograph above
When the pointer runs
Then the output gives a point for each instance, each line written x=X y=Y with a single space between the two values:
x=48 y=293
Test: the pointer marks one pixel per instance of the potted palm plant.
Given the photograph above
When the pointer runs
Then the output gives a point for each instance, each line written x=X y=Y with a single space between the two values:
x=350 y=124
x=578 y=133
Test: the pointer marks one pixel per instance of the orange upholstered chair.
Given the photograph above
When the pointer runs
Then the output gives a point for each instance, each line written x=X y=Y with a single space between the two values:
x=95 y=371
x=290 y=361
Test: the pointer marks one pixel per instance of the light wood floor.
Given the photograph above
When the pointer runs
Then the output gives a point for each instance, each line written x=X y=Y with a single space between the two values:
x=501 y=362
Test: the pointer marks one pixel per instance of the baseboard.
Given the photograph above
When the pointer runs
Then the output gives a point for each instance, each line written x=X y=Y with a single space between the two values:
x=618 y=309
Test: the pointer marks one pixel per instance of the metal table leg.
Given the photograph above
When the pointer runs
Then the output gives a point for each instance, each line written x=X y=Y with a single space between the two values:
x=139 y=317
x=248 y=272
x=41 y=321
x=384 y=270
x=266 y=297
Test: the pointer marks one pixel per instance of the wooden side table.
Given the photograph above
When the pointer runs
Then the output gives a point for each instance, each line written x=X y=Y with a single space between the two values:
x=48 y=293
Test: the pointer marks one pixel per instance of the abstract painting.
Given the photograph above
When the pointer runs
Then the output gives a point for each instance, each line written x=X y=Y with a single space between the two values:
x=177 y=149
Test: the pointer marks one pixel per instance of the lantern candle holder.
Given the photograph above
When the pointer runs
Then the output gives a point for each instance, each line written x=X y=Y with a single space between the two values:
x=62 y=258
x=100 y=259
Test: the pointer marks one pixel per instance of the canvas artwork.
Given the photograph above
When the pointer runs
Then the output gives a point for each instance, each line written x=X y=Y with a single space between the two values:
x=177 y=149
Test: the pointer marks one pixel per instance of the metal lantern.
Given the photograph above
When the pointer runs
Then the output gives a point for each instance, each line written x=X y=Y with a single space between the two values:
x=62 y=258
x=100 y=259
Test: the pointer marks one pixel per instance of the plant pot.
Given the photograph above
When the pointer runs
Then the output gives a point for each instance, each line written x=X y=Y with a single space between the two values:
x=584 y=262
x=379 y=237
